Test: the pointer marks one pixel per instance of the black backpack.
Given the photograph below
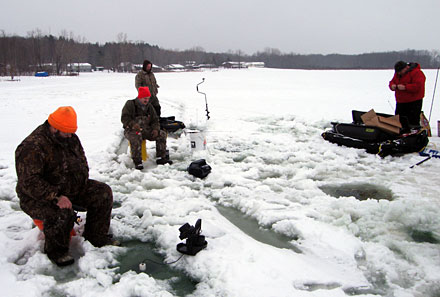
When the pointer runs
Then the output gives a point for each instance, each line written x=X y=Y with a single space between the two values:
x=199 y=168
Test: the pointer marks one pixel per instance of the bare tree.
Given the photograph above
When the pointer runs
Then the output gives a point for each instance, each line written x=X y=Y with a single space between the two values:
x=4 y=51
x=36 y=41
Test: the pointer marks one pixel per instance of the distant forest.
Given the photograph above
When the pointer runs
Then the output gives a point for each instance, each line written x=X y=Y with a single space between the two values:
x=27 y=55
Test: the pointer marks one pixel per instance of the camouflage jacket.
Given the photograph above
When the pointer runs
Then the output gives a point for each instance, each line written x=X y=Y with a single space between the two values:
x=134 y=113
x=146 y=79
x=47 y=167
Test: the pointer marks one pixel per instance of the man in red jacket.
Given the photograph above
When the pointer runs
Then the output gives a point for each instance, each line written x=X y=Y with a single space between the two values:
x=409 y=85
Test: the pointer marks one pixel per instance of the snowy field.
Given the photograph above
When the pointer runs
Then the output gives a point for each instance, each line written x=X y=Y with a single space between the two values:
x=284 y=212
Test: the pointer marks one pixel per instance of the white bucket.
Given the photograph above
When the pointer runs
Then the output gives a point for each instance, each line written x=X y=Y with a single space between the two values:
x=197 y=140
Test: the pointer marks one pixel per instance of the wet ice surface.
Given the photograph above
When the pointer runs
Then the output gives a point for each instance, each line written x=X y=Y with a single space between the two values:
x=360 y=191
x=284 y=212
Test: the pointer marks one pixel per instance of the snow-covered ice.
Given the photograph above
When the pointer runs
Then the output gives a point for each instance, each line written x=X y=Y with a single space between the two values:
x=280 y=210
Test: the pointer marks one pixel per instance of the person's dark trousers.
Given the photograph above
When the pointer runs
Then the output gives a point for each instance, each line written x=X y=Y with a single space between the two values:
x=135 y=140
x=96 y=197
x=57 y=224
x=411 y=111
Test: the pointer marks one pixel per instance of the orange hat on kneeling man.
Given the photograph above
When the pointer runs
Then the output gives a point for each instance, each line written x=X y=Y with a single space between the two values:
x=64 y=119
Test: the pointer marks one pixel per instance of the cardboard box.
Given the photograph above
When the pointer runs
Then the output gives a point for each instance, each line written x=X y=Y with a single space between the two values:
x=390 y=124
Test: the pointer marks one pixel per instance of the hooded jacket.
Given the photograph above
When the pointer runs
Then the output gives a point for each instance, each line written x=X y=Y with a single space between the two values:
x=413 y=80
x=146 y=78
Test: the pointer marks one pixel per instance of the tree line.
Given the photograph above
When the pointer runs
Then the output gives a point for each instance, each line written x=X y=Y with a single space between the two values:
x=39 y=52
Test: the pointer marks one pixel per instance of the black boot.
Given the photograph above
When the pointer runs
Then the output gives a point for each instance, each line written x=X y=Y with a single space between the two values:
x=64 y=260
x=163 y=161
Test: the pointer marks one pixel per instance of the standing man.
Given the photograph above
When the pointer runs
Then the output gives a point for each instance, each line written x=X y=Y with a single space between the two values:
x=140 y=121
x=146 y=78
x=53 y=175
x=408 y=84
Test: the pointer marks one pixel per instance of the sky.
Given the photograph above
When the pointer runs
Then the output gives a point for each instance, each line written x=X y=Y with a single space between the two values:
x=250 y=26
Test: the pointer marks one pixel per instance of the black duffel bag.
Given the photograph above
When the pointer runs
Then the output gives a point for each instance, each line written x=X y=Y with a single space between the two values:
x=170 y=124
x=199 y=168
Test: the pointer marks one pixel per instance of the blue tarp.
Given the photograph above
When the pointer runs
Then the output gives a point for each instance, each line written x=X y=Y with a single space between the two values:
x=42 y=74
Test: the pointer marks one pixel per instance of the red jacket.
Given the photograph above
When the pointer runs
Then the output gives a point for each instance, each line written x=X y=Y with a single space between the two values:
x=414 y=81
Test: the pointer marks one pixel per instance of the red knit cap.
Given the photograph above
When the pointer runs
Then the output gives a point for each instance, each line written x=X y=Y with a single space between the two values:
x=64 y=119
x=144 y=92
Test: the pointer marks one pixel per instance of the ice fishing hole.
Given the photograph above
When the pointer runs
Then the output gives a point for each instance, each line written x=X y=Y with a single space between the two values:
x=317 y=286
x=138 y=252
x=423 y=236
x=361 y=191
x=251 y=227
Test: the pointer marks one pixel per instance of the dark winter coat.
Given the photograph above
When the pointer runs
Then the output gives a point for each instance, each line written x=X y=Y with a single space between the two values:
x=134 y=112
x=146 y=79
x=47 y=167
x=413 y=80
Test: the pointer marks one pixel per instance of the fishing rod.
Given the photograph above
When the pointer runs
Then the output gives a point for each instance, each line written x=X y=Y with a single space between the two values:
x=433 y=94
x=206 y=101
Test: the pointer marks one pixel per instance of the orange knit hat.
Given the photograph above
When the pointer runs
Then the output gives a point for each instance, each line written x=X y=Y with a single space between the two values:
x=64 y=119
x=144 y=92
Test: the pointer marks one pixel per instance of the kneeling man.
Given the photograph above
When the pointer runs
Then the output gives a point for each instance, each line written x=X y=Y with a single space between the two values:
x=53 y=175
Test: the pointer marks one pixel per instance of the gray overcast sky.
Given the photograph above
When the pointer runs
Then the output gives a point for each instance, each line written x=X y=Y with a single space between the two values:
x=307 y=26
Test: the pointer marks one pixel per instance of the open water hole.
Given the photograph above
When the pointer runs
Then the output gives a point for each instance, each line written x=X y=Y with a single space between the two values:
x=143 y=252
x=251 y=227
x=361 y=191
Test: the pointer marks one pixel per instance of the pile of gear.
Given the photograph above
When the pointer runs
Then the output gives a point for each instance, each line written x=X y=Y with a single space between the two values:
x=381 y=134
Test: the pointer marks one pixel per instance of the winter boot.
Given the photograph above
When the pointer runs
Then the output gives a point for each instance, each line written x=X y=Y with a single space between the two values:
x=163 y=161
x=103 y=240
x=112 y=241
x=64 y=260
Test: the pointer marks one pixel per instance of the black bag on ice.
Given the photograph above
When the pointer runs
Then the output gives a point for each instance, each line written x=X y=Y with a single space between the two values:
x=170 y=124
x=199 y=168
x=407 y=144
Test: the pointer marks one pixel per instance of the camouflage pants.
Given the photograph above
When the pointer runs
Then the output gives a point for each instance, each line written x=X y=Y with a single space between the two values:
x=136 y=143
x=97 y=198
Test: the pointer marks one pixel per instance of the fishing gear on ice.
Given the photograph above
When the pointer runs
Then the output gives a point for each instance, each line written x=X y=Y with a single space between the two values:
x=379 y=133
x=199 y=168
x=195 y=242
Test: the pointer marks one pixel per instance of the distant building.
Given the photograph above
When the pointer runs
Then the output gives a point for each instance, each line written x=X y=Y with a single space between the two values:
x=175 y=67
x=255 y=64
x=79 y=67
x=190 y=65
x=138 y=67
x=44 y=67
x=207 y=66
x=125 y=67
x=234 y=65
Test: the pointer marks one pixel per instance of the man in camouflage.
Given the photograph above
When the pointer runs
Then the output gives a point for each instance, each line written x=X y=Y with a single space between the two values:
x=146 y=78
x=53 y=175
x=140 y=121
